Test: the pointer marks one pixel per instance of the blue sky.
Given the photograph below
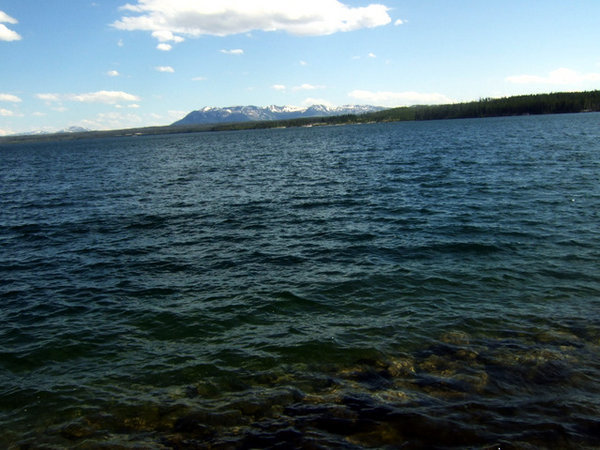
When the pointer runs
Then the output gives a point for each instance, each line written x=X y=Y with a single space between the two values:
x=106 y=64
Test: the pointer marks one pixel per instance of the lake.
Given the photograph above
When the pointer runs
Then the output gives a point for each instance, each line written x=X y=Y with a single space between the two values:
x=419 y=284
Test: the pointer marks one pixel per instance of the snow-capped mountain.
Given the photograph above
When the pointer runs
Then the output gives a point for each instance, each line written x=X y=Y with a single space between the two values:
x=72 y=129
x=210 y=115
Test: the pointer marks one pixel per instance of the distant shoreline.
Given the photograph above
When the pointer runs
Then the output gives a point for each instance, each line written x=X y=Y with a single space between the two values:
x=537 y=104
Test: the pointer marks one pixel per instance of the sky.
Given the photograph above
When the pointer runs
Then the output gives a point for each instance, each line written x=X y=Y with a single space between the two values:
x=109 y=64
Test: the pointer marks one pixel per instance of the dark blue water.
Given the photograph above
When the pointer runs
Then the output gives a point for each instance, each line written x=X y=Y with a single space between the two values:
x=427 y=285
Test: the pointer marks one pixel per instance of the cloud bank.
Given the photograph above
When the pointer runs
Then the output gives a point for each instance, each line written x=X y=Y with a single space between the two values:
x=385 y=98
x=559 y=76
x=6 y=34
x=169 y=20
x=107 y=97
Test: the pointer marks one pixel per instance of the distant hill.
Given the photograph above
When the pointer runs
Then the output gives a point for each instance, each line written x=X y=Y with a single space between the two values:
x=232 y=114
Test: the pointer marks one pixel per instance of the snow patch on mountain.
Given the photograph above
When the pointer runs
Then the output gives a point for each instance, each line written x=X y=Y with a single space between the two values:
x=213 y=115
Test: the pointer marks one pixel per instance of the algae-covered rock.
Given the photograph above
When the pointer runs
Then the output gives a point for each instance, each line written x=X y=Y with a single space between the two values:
x=456 y=337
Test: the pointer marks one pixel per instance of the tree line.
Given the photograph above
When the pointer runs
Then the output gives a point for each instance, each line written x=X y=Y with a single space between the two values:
x=554 y=103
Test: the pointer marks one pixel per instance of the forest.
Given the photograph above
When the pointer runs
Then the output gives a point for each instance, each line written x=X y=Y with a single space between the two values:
x=555 y=103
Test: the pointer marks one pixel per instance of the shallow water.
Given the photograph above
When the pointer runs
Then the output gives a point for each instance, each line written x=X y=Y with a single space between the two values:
x=427 y=285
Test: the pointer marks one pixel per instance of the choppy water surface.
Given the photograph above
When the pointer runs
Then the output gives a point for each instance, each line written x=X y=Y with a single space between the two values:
x=432 y=284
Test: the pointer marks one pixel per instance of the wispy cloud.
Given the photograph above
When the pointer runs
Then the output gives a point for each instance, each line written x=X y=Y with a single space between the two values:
x=369 y=55
x=107 y=97
x=6 y=112
x=49 y=97
x=113 y=73
x=399 y=22
x=307 y=87
x=6 y=34
x=235 y=51
x=560 y=76
x=9 y=98
x=301 y=87
x=167 y=69
x=388 y=98
x=228 y=17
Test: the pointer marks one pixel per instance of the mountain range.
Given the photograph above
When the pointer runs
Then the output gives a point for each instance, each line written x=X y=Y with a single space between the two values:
x=213 y=115
x=72 y=129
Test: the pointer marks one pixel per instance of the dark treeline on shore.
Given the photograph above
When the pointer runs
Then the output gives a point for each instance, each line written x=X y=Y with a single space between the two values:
x=554 y=103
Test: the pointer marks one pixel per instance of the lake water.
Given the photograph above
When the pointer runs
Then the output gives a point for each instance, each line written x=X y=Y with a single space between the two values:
x=426 y=284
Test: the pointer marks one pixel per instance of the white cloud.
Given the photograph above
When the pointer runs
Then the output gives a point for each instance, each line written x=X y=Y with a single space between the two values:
x=560 y=76
x=108 y=97
x=120 y=43
x=167 y=69
x=6 y=113
x=227 y=17
x=372 y=55
x=235 y=51
x=6 y=132
x=9 y=98
x=279 y=87
x=112 y=73
x=307 y=87
x=49 y=97
x=6 y=34
x=303 y=63
x=133 y=105
x=5 y=18
x=399 y=22
x=386 y=98
x=166 y=36
x=199 y=79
